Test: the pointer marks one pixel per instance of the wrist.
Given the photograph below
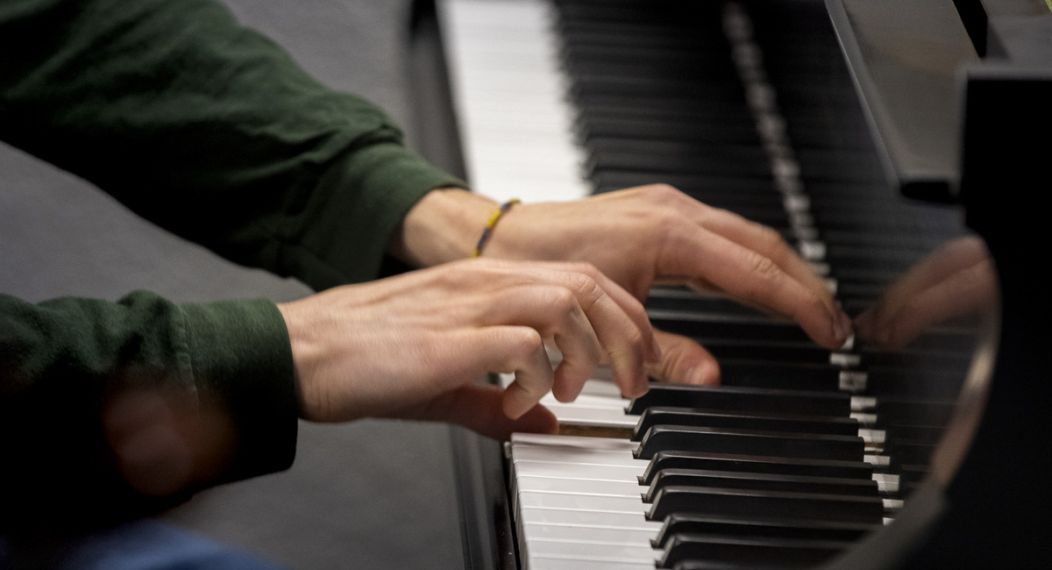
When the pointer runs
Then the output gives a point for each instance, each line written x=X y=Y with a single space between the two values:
x=443 y=226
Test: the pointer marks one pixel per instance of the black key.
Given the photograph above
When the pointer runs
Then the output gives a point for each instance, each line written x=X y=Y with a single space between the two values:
x=750 y=503
x=920 y=434
x=908 y=412
x=669 y=416
x=743 y=327
x=754 y=464
x=748 y=400
x=685 y=300
x=892 y=383
x=795 y=352
x=739 y=441
x=748 y=552
x=677 y=523
x=910 y=451
x=784 y=375
x=642 y=129
x=759 y=481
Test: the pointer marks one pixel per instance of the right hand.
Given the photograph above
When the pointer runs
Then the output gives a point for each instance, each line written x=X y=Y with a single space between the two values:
x=412 y=346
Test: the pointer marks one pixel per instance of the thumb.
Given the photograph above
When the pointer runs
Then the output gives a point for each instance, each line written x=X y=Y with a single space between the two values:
x=684 y=361
x=478 y=407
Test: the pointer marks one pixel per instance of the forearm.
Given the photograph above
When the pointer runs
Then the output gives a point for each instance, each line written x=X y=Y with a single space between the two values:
x=64 y=363
x=210 y=130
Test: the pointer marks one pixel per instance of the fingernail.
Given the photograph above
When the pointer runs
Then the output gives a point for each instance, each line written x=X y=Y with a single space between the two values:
x=838 y=329
x=698 y=374
x=642 y=387
x=846 y=325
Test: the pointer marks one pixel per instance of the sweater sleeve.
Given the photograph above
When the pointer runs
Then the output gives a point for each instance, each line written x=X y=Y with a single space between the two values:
x=210 y=130
x=62 y=361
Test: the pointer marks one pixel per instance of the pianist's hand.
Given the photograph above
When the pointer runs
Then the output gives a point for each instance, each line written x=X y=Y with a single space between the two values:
x=656 y=233
x=954 y=280
x=412 y=346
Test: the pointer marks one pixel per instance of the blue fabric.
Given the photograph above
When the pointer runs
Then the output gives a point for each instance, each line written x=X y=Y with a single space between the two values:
x=149 y=545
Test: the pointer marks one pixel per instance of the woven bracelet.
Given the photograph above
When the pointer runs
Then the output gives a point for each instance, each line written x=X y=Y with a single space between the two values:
x=492 y=223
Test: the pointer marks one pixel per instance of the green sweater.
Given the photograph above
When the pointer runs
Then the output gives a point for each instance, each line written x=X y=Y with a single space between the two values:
x=210 y=130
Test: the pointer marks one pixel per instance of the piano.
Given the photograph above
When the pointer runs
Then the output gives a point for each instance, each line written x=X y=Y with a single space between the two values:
x=870 y=135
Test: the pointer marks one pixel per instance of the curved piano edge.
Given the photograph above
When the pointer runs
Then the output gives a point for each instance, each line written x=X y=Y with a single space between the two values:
x=986 y=500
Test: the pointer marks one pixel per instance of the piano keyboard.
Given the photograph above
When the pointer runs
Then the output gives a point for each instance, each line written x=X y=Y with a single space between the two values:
x=747 y=107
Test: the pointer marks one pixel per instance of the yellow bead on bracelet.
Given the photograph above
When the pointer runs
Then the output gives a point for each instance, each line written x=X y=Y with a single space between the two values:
x=492 y=223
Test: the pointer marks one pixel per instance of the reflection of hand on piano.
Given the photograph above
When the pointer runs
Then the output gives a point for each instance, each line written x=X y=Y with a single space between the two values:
x=411 y=346
x=956 y=279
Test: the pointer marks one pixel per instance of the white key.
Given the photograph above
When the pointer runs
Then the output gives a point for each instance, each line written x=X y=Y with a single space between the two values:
x=575 y=533
x=557 y=563
x=578 y=470
x=589 y=550
x=594 y=519
x=544 y=484
x=509 y=96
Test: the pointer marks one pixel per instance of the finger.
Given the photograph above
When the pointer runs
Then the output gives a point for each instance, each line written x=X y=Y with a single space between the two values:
x=618 y=333
x=965 y=292
x=747 y=275
x=633 y=308
x=479 y=408
x=564 y=274
x=770 y=244
x=518 y=350
x=684 y=361
x=556 y=313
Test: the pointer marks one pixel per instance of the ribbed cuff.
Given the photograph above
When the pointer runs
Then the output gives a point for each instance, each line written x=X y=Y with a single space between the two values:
x=373 y=190
x=240 y=355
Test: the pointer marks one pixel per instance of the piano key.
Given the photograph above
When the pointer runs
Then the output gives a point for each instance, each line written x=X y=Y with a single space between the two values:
x=589 y=535
x=576 y=563
x=578 y=501
x=749 y=552
x=781 y=423
x=758 y=481
x=744 y=400
x=785 y=375
x=677 y=523
x=543 y=547
x=571 y=495
x=774 y=351
x=556 y=517
x=550 y=468
x=753 y=503
x=754 y=463
x=734 y=326
x=817 y=185
x=544 y=484
x=742 y=442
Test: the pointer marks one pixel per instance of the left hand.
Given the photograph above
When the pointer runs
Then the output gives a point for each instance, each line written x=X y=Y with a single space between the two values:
x=656 y=233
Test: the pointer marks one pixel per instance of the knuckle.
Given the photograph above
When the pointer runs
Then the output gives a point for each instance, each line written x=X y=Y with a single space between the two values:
x=561 y=299
x=764 y=267
x=772 y=239
x=528 y=341
x=634 y=337
x=583 y=284
x=662 y=192
x=586 y=268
